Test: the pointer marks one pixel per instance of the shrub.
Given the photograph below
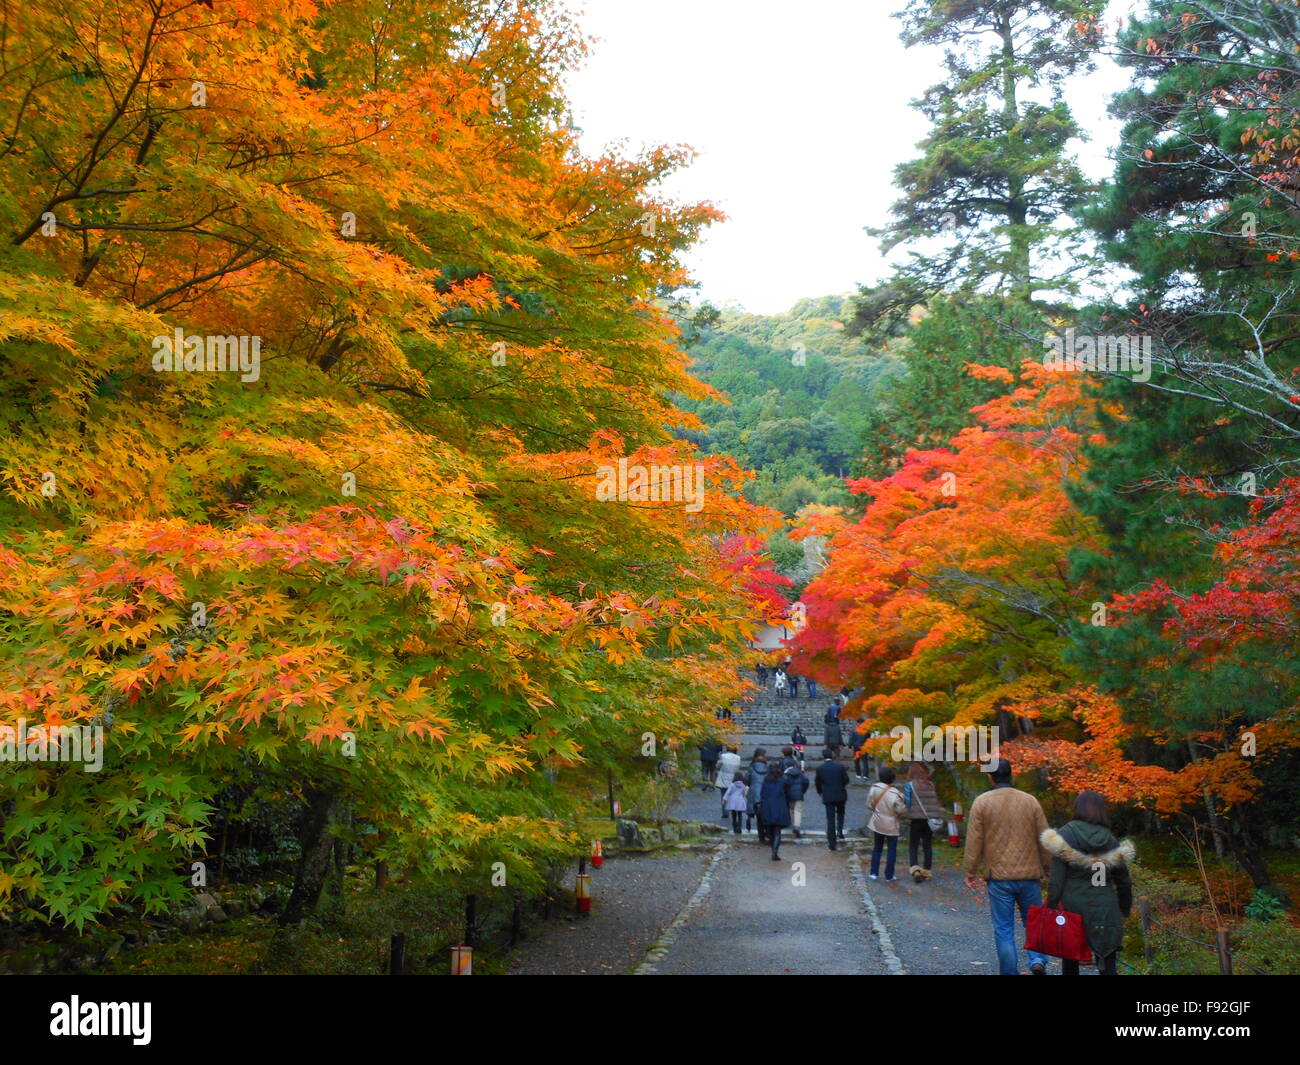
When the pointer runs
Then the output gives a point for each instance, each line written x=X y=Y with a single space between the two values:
x=1264 y=906
x=1270 y=946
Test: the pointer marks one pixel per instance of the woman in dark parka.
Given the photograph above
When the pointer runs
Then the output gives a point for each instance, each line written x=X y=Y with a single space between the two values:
x=757 y=771
x=774 y=806
x=1090 y=877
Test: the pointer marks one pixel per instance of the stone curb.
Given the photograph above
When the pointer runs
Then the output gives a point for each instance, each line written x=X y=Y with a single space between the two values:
x=658 y=950
x=892 y=961
x=681 y=833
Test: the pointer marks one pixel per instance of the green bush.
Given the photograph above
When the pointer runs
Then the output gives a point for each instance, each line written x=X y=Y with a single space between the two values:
x=1164 y=892
x=1270 y=946
x=1264 y=906
x=651 y=798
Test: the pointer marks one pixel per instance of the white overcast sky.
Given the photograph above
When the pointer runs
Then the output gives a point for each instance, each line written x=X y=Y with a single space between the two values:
x=799 y=111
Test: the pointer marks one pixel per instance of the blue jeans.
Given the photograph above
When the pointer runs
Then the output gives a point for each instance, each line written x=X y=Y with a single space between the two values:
x=1004 y=897
x=879 y=844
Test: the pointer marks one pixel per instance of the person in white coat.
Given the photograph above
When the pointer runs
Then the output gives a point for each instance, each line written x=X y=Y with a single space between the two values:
x=728 y=766
x=885 y=804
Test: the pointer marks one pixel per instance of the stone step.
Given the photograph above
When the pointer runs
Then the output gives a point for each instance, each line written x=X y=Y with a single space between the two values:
x=782 y=720
x=767 y=713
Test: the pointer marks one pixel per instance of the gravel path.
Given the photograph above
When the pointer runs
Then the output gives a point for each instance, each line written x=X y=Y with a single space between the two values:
x=798 y=916
x=755 y=918
x=634 y=896
x=939 y=926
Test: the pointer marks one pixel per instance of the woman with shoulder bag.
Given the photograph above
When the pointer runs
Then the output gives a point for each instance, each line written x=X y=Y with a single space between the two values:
x=922 y=811
x=886 y=805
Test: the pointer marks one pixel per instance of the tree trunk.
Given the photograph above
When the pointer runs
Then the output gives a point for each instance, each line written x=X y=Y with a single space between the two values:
x=221 y=857
x=342 y=855
x=1249 y=852
x=1216 y=829
x=1019 y=264
x=317 y=848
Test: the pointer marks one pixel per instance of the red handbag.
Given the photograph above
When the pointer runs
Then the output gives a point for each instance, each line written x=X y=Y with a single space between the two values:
x=1056 y=932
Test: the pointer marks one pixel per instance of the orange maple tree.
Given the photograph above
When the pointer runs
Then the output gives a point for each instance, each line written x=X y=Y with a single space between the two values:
x=950 y=598
x=373 y=568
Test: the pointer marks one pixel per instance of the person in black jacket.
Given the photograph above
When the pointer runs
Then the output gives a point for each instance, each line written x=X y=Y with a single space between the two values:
x=799 y=783
x=833 y=737
x=709 y=764
x=832 y=783
x=757 y=771
x=798 y=740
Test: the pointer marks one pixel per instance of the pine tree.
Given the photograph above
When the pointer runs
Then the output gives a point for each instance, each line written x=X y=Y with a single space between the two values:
x=994 y=176
x=1201 y=209
x=931 y=401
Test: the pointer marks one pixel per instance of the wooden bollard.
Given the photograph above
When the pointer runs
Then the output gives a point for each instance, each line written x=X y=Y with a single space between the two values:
x=1144 y=912
x=1225 y=955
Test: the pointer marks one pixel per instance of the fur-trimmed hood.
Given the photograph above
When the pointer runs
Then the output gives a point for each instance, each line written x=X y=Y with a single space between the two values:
x=1121 y=854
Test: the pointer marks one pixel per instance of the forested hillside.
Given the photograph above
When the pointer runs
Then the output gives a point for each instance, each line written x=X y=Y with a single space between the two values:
x=801 y=391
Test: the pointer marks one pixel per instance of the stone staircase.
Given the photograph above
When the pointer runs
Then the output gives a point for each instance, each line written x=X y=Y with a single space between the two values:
x=770 y=714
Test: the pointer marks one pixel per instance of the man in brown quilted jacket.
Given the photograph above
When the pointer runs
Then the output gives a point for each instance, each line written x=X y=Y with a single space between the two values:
x=1002 y=845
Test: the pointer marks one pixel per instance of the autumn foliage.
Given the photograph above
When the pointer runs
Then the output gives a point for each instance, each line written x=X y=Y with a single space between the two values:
x=950 y=596
x=374 y=578
x=954 y=600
